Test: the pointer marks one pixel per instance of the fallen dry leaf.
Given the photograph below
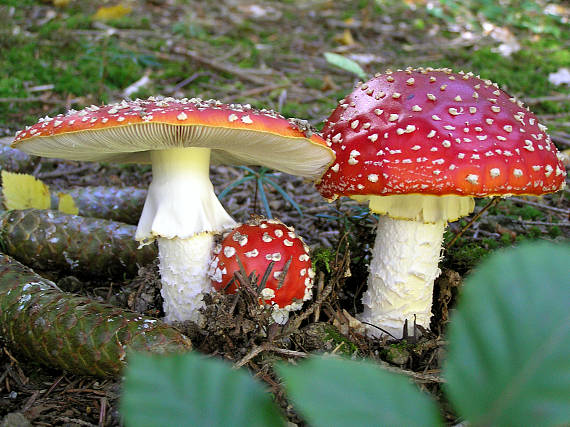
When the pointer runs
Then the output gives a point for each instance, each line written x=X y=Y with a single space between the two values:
x=112 y=12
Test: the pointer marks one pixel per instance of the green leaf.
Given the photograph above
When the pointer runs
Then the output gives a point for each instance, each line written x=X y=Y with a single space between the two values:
x=190 y=390
x=336 y=392
x=345 y=63
x=509 y=354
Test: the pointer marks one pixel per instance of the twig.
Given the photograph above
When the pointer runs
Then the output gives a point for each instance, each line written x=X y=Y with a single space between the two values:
x=30 y=401
x=288 y=352
x=103 y=412
x=493 y=201
x=267 y=347
x=538 y=100
x=384 y=330
x=294 y=324
x=557 y=224
x=252 y=353
x=418 y=376
x=187 y=81
x=31 y=99
x=258 y=91
x=540 y=205
x=243 y=75
x=319 y=290
x=54 y=385
x=560 y=138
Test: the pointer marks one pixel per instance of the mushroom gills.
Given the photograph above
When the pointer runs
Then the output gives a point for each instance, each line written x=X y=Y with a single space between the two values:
x=418 y=207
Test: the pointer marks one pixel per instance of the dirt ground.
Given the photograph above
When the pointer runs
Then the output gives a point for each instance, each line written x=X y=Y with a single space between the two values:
x=269 y=54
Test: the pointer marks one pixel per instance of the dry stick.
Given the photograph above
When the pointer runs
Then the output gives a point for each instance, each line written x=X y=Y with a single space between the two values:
x=418 y=376
x=219 y=66
x=493 y=201
x=320 y=286
x=31 y=99
x=560 y=138
x=288 y=352
x=561 y=97
x=54 y=385
x=268 y=347
x=294 y=324
x=258 y=91
x=539 y=205
x=253 y=352
x=102 y=412
x=551 y=224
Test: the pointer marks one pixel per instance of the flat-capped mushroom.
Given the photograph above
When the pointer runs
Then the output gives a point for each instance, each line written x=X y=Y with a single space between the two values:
x=257 y=245
x=180 y=137
x=418 y=145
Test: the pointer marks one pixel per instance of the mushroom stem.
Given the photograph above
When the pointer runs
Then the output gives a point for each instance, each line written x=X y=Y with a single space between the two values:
x=403 y=269
x=183 y=212
x=184 y=275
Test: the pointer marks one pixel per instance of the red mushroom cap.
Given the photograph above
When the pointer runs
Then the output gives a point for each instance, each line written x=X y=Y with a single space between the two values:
x=436 y=132
x=127 y=131
x=256 y=245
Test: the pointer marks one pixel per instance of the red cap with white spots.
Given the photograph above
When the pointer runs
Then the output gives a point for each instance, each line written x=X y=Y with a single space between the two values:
x=427 y=131
x=129 y=130
x=258 y=244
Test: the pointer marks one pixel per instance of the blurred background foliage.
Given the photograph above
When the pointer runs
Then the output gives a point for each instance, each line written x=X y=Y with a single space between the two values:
x=63 y=53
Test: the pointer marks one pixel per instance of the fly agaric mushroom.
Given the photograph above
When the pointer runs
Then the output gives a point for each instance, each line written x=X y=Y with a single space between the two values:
x=180 y=137
x=418 y=145
x=256 y=245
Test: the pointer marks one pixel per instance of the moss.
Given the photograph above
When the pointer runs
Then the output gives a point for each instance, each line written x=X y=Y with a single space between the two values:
x=322 y=259
x=554 y=231
x=313 y=83
x=506 y=239
x=465 y=255
x=348 y=348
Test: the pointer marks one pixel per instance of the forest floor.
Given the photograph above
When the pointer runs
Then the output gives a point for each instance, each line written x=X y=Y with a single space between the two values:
x=70 y=54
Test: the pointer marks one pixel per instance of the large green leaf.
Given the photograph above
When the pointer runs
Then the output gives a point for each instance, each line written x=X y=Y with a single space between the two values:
x=335 y=392
x=509 y=355
x=190 y=390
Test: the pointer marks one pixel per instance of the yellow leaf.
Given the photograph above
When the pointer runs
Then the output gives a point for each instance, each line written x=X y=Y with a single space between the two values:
x=345 y=38
x=66 y=204
x=22 y=191
x=112 y=12
x=60 y=3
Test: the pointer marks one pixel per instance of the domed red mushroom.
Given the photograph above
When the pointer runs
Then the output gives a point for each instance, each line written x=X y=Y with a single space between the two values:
x=257 y=244
x=418 y=145
x=180 y=137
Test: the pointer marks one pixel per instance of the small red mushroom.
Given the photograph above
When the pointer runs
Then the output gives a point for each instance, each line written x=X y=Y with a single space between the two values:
x=257 y=244
x=418 y=145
